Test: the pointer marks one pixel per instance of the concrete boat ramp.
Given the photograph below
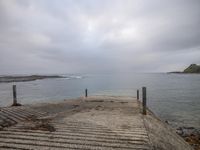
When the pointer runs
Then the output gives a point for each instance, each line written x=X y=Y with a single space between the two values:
x=93 y=123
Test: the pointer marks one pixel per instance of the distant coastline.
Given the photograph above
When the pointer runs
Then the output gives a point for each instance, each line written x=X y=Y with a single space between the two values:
x=178 y=72
x=192 y=69
x=27 y=78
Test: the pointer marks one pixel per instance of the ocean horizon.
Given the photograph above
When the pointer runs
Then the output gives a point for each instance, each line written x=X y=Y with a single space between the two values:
x=172 y=97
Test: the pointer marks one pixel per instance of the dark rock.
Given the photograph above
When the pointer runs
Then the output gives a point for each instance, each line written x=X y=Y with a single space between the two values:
x=166 y=122
x=191 y=135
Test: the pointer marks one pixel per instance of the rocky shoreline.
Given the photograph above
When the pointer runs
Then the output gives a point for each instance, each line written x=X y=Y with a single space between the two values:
x=26 y=78
x=190 y=135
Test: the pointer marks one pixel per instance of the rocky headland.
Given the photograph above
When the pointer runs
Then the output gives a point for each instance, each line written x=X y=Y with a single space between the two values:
x=193 y=68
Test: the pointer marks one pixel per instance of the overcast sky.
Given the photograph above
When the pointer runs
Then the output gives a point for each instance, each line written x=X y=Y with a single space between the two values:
x=98 y=36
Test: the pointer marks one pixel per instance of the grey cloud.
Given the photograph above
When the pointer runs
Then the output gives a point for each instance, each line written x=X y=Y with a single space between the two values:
x=98 y=36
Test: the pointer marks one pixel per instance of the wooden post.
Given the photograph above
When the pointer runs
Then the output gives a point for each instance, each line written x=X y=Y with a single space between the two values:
x=14 y=95
x=144 y=98
x=86 y=93
x=137 y=94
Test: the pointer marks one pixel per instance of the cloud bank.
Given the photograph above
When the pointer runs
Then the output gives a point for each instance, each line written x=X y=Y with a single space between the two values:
x=98 y=36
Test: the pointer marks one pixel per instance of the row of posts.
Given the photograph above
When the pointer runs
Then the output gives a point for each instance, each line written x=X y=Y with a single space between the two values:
x=144 y=97
x=15 y=95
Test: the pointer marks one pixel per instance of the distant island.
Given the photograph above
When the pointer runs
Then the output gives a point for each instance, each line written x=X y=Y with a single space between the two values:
x=26 y=78
x=193 y=68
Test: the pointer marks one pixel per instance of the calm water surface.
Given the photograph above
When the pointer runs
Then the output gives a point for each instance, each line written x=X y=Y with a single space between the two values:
x=173 y=97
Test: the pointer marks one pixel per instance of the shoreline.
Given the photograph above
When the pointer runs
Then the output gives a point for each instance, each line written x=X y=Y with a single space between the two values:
x=181 y=73
x=7 y=79
x=190 y=134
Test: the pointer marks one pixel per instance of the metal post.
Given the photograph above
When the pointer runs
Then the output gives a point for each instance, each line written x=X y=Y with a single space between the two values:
x=86 y=93
x=144 y=98
x=14 y=95
x=137 y=94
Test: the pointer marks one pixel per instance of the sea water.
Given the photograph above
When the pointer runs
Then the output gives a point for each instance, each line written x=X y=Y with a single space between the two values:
x=172 y=97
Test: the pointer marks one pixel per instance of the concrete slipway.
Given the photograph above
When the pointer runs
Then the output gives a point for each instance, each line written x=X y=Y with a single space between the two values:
x=93 y=123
